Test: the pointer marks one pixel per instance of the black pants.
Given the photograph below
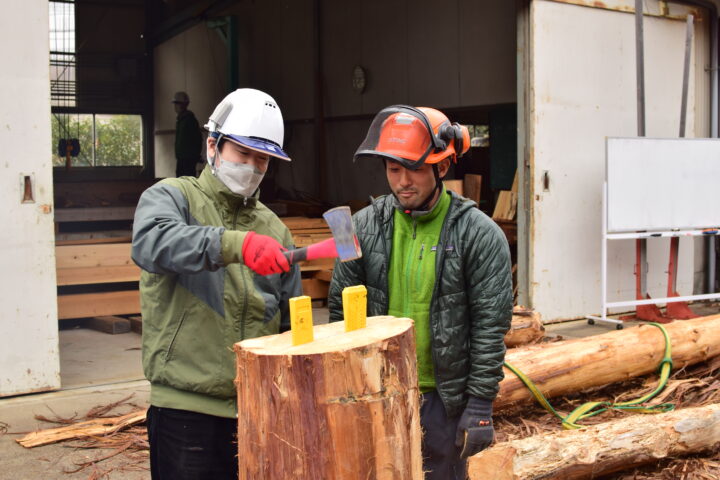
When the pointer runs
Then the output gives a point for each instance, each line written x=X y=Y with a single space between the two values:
x=441 y=458
x=191 y=446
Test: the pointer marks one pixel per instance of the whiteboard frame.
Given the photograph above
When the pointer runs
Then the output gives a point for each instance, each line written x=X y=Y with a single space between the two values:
x=644 y=233
x=658 y=184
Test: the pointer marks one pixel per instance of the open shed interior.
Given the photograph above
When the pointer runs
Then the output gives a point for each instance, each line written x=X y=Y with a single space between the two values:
x=330 y=65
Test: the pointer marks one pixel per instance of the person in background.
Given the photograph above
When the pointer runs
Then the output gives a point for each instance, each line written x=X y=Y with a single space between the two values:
x=188 y=137
x=213 y=274
x=430 y=255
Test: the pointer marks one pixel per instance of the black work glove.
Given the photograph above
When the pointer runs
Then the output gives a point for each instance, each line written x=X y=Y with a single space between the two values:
x=475 y=430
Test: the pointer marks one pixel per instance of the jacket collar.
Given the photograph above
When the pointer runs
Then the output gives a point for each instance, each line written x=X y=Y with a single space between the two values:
x=424 y=215
x=222 y=194
x=384 y=206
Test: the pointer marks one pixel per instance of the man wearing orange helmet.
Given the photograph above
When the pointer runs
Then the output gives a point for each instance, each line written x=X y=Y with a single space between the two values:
x=430 y=255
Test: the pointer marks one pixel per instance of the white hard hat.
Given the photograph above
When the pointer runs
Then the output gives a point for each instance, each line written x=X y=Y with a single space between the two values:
x=251 y=118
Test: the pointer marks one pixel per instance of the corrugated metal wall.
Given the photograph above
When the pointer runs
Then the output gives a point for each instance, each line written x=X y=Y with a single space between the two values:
x=442 y=54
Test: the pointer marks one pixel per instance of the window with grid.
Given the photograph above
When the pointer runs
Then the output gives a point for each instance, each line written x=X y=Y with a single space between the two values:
x=81 y=138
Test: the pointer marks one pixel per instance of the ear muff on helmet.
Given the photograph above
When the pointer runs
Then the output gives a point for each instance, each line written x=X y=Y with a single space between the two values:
x=459 y=135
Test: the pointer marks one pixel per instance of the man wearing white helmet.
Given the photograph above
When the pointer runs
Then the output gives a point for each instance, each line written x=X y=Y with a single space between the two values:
x=213 y=274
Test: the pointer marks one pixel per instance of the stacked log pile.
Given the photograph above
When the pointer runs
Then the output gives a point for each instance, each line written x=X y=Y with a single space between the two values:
x=610 y=367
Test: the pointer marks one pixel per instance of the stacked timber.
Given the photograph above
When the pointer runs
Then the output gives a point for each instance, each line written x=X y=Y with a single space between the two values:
x=90 y=263
x=316 y=274
x=506 y=204
x=345 y=405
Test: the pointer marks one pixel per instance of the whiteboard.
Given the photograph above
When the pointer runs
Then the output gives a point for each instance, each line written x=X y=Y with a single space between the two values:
x=662 y=183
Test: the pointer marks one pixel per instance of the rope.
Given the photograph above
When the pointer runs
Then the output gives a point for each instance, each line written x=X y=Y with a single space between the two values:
x=591 y=409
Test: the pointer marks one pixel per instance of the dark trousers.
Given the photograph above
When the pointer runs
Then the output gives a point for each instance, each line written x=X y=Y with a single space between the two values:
x=191 y=446
x=441 y=458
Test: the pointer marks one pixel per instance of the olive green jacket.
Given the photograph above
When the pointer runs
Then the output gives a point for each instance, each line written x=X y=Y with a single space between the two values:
x=471 y=305
x=197 y=296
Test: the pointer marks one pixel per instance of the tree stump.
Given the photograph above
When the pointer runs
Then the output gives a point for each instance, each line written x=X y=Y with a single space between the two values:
x=345 y=406
x=526 y=327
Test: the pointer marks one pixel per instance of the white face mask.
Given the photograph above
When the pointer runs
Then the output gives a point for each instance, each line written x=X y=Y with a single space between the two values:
x=240 y=178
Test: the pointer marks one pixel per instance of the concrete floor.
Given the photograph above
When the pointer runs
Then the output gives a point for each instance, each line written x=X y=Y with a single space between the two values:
x=89 y=357
x=98 y=369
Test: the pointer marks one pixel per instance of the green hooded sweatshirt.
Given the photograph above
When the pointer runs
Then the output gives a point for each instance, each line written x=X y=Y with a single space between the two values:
x=412 y=277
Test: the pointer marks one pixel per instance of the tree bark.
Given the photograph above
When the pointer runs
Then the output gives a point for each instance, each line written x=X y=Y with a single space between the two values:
x=601 y=449
x=526 y=328
x=570 y=366
x=344 y=406
x=89 y=428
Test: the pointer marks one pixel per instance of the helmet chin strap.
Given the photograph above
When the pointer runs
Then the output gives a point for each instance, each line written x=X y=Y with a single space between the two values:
x=425 y=206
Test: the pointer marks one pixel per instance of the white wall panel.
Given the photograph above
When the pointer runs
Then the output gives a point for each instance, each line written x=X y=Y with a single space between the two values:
x=29 y=357
x=584 y=89
x=194 y=62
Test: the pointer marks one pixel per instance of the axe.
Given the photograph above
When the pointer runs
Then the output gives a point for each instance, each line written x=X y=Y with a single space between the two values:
x=343 y=244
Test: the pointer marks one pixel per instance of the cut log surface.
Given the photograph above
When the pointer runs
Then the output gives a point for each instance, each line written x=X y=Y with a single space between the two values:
x=601 y=449
x=344 y=406
x=526 y=327
x=570 y=366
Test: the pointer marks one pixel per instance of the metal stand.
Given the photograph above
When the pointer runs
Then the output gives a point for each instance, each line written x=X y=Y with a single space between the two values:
x=672 y=274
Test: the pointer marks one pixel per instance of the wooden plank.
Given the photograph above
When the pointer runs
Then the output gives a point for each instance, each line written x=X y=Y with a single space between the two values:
x=311 y=231
x=305 y=240
x=509 y=228
x=454 y=185
x=471 y=187
x=109 y=324
x=88 y=275
x=324 y=275
x=314 y=288
x=92 y=238
x=514 y=187
x=506 y=206
x=319 y=264
x=303 y=222
x=95 y=255
x=85 y=305
x=136 y=323
x=94 y=214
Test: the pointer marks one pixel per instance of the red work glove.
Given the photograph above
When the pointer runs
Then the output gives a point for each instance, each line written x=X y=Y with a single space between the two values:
x=263 y=254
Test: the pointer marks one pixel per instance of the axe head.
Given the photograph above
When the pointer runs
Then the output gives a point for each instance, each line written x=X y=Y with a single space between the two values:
x=340 y=222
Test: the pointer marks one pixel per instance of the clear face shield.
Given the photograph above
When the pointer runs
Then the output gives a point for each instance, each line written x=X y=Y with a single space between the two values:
x=402 y=134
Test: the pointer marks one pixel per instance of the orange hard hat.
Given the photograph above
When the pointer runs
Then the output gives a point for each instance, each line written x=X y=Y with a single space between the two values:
x=414 y=136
